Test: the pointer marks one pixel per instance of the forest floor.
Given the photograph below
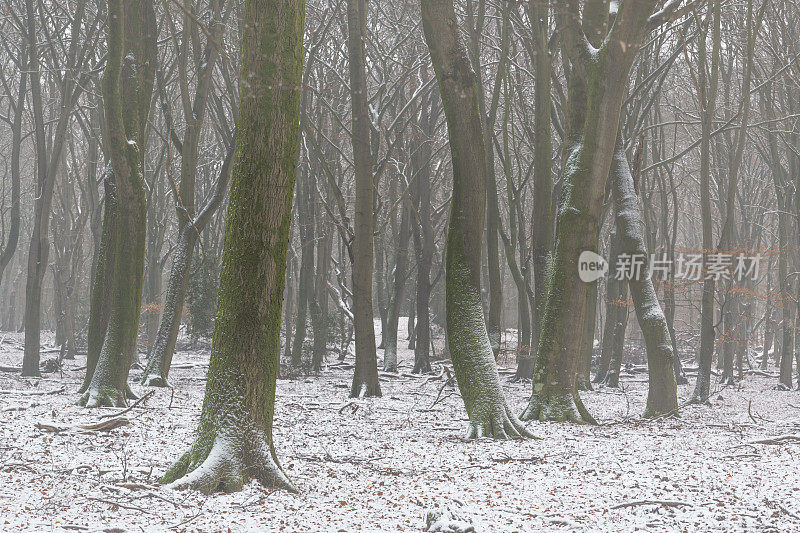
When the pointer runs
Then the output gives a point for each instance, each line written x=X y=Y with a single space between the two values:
x=378 y=464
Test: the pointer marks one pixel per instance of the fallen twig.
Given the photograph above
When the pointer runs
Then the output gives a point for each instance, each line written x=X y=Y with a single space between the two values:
x=665 y=503
x=352 y=404
x=135 y=404
x=780 y=439
x=782 y=508
x=119 y=504
x=106 y=425
x=32 y=392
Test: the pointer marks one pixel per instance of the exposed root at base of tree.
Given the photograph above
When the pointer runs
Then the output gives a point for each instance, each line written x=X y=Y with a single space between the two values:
x=557 y=408
x=362 y=389
x=498 y=424
x=226 y=467
x=655 y=413
x=154 y=380
x=422 y=367
x=102 y=397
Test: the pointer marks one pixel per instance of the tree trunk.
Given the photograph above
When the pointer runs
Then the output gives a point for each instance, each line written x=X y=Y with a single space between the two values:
x=40 y=244
x=158 y=363
x=662 y=396
x=423 y=236
x=305 y=278
x=541 y=218
x=365 y=377
x=618 y=340
x=597 y=85
x=7 y=251
x=319 y=302
x=189 y=225
x=616 y=292
x=467 y=337
x=100 y=297
x=398 y=291
x=584 y=378
x=708 y=96
x=128 y=78
x=234 y=438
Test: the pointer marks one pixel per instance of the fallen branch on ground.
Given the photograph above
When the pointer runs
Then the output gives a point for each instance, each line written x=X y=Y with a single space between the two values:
x=106 y=425
x=780 y=439
x=32 y=392
x=665 y=503
x=135 y=404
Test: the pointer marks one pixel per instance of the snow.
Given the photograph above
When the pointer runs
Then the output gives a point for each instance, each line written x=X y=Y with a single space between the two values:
x=380 y=464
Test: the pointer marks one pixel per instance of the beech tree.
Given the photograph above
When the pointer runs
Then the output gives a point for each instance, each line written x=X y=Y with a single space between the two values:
x=365 y=377
x=467 y=337
x=191 y=222
x=234 y=438
x=127 y=87
x=601 y=55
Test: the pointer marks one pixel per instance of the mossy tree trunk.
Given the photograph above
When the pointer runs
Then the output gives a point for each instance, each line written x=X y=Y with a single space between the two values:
x=128 y=77
x=234 y=438
x=542 y=217
x=100 y=297
x=662 y=396
x=467 y=337
x=365 y=377
x=476 y=22
x=597 y=85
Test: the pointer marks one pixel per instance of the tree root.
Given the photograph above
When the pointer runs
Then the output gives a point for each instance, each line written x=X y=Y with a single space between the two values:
x=498 y=424
x=102 y=397
x=697 y=400
x=225 y=467
x=154 y=380
x=557 y=408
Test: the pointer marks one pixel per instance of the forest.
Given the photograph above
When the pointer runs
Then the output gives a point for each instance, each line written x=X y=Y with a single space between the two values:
x=412 y=265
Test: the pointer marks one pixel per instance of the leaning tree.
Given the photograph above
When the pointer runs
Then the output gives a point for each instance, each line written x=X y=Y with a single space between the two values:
x=467 y=337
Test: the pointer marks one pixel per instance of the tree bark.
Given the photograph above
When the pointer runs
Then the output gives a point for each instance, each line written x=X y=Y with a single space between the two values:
x=423 y=235
x=40 y=244
x=541 y=218
x=397 y=294
x=234 y=438
x=190 y=225
x=662 y=396
x=467 y=337
x=10 y=247
x=156 y=372
x=708 y=84
x=365 y=377
x=128 y=78
x=597 y=85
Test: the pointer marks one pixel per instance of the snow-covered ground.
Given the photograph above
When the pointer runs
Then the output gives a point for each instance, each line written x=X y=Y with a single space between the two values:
x=378 y=464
